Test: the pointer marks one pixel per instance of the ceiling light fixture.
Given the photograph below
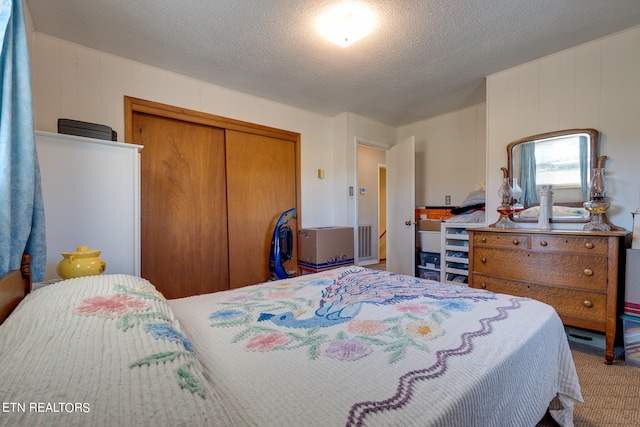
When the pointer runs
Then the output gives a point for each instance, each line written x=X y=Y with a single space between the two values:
x=346 y=23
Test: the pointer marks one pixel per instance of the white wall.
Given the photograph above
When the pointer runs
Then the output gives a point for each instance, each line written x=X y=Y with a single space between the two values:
x=348 y=129
x=450 y=155
x=72 y=81
x=594 y=85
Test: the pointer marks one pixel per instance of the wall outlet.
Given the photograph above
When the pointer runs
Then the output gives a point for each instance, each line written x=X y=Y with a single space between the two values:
x=447 y=200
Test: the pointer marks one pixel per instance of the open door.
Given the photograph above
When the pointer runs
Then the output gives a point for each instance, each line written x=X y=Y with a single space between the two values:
x=401 y=239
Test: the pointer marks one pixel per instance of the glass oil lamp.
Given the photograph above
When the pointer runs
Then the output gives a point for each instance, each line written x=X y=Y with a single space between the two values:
x=597 y=204
x=505 y=194
x=516 y=191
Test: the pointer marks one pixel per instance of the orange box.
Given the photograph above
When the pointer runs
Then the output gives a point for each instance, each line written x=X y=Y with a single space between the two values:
x=440 y=213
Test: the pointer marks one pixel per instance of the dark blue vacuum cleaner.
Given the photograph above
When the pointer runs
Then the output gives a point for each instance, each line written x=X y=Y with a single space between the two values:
x=281 y=247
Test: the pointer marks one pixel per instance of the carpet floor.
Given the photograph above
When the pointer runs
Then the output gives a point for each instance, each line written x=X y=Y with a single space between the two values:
x=611 y=392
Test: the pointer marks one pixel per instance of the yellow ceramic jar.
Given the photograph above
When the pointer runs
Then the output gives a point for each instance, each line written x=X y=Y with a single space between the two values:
x=82 y=262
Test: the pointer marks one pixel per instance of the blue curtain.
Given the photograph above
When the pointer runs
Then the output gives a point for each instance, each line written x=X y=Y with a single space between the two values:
x=584 y=167
x=528 y=174
x=22 y=226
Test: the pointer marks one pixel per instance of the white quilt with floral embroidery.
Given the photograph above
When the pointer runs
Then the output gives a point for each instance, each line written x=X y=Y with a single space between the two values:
x=102 y=351
x=349 y=347
x=357 y=347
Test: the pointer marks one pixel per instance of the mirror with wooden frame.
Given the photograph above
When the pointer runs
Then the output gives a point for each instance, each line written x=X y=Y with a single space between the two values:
x=563 y=159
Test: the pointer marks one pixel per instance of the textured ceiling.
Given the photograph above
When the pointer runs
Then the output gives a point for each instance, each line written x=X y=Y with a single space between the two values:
x=426 y=57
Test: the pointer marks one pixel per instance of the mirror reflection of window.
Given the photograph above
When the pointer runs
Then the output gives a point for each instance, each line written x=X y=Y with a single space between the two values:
x=558 y=162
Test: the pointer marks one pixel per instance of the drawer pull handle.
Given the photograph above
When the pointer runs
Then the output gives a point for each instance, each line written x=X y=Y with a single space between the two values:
x=588 y=272
x=515 y=242
x=483 y=286
x=588 y=245
x=484 y=240
x=483 y=260
x=543 y=243
x=587 y=304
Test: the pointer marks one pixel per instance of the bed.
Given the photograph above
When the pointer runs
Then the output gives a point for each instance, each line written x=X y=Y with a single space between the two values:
x=346 y=347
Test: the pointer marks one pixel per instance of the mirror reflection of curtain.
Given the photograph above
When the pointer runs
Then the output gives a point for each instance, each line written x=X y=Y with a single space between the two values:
x=527 y=176
x=22 y=227
x=584 y=166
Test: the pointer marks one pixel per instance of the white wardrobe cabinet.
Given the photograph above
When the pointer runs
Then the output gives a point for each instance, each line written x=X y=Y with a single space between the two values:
x=91 y=192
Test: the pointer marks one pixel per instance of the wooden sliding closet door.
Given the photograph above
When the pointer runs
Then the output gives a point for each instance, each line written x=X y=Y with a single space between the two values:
x=183 y=205
x=212 y=190
x=261 y=185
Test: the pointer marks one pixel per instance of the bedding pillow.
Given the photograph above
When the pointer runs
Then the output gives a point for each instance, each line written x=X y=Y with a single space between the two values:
x=102 y=350
x=474 y=198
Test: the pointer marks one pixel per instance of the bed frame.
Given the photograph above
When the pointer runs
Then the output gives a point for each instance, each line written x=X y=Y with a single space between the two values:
x=14 y=286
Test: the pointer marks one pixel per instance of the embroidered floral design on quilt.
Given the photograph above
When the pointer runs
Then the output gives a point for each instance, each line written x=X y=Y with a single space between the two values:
x=423 y=330
x=165 y=331
x=348 y=349
x=286 y=320
x=267 y=342
x=127 y=305
x=143 y=291
x=111 y=306
x=366 y=327
x=343 y=300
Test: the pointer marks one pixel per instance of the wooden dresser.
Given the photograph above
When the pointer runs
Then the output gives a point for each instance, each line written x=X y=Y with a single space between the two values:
x=579 y=273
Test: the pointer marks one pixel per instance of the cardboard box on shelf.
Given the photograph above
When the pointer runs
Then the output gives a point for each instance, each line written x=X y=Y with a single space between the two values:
x=429 y=225
x=325 y=248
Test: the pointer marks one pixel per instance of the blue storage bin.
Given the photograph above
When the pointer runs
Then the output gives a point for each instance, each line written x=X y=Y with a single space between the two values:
x=631 y=329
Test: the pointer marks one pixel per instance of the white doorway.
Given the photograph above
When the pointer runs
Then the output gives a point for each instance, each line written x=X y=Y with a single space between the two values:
x=382 y=214
x=369 y=198
x=400 y=205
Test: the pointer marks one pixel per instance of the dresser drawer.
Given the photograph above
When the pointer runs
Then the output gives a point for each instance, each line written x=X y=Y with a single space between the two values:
x=575 y=271
x=569 y=244
x=498 y=240
x=567 y=302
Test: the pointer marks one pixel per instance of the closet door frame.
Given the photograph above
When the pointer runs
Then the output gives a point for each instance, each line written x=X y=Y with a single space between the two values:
x=136 y=105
